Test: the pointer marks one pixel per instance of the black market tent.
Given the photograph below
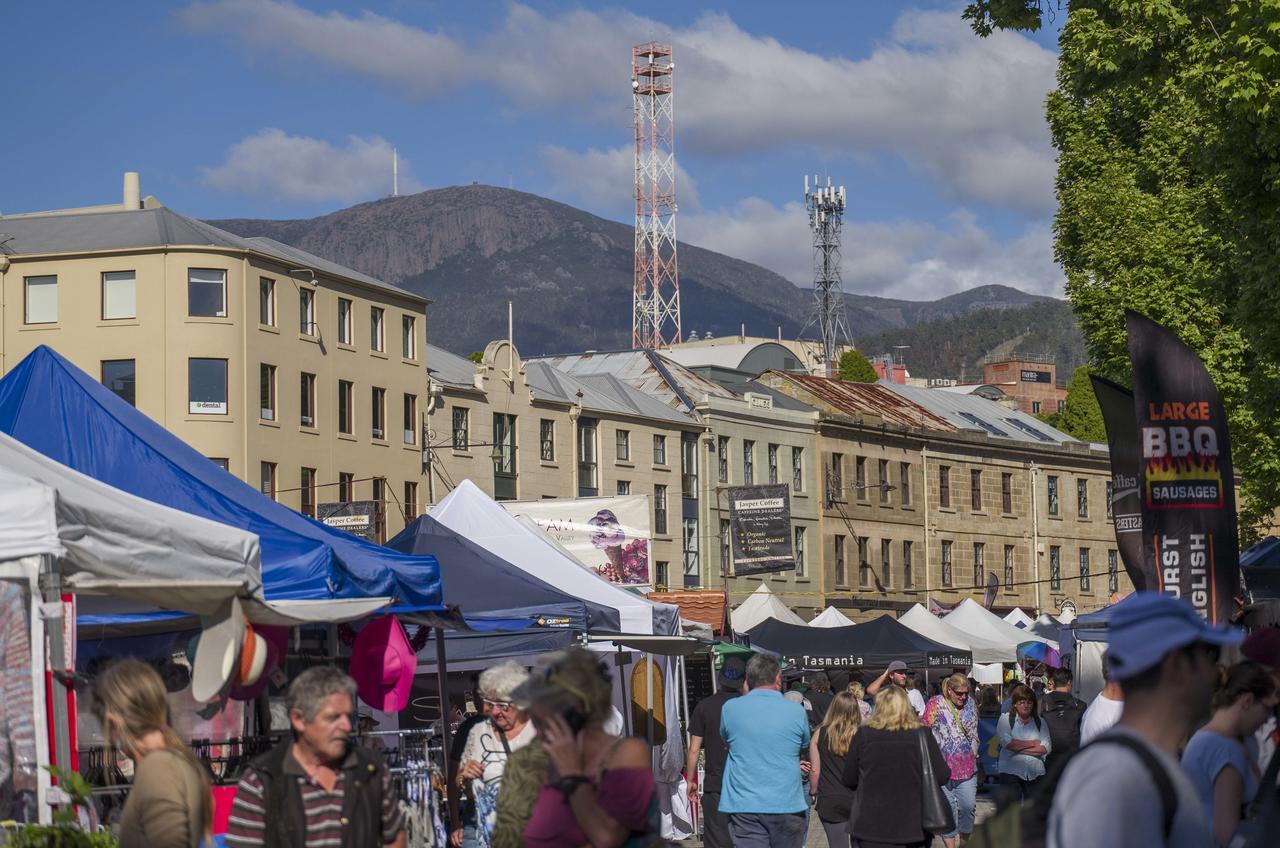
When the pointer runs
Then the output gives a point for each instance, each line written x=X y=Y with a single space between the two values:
x=872 y=645
x=1260 y=567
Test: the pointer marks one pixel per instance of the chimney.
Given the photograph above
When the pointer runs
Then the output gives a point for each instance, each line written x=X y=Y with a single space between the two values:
x=132 y=191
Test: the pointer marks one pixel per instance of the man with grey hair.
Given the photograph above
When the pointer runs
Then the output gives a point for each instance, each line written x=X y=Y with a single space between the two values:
x=762 y=791
x=316 y=789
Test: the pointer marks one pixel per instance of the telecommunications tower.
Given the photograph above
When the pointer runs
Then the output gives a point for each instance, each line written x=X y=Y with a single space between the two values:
x=826 y=211
x=655 y=299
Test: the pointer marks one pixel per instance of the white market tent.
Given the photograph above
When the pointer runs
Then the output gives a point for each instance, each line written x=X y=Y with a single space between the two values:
x=482 y=520
x=832 y=617
x=974 y=619
x=984 y=650
x=758 y=606
x=1019 y=619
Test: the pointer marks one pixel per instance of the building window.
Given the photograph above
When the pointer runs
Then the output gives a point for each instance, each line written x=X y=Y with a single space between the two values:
x=409 y=337
x=979 y=563
x=120 y=376
x=1082 y=498
x=797 y=469
x=119 y=295
x=307 y=489
x=1084 y=570
x=410 y=422
x=461 y=428
x=346 y=486
x=307 y=311
x=504 y=442
x=207 y=386
x=688 y=465
x=1113 y=572
x=547 y=440
x=660 y=510
x=267 y=392
x=222 y=462
x=1053 y=495
x=307 y=400
x=975 y=490
x=944 y=485
x=269 y=479
x=842 y=575
x=587 y=465
x=41 y=298
x=772 y=455
x=886 y=565
x=1062 y=405
x=1006 y=493
x=726 y=555
x=1055 y=568
x=378 y=412
x=835 y=479
x=659 y=450
x=661 y=570
x=904 y=483
x=864 y=564
x=346 y=407
x=206 y=293
x=410 y=501
x=799 y=550
x=691 y=565
x=1107 y=500
x=377 y=332
x=622 y=445
x=624 y=487
x=860 y=476
x=908 y=575
x=946 y=563
x=1035 y=407
x=267 y=302
x=722 y=459
x=379 y=510
x=748 y=462
x=345 y=329
x=1008 y=566
x=883 y=467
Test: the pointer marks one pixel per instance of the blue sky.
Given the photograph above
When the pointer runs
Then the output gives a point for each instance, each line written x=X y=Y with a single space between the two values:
x=263 y=108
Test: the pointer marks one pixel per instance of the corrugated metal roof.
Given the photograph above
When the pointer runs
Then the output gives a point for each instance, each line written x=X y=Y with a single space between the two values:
x=160 y=227
x=870 y=399
x=703 y=607
x=780 y=400
x=971 y=412
x=636 y=368
x=449 y=368
x=600 y=393
x=722 y=356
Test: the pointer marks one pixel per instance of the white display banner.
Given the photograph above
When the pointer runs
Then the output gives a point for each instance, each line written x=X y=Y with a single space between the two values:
x=610 y=535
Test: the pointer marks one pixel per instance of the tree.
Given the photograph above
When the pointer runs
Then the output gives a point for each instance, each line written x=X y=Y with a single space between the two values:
x=856 y=368
x=1081 y=417
x=477 y=356
x=1166 y=118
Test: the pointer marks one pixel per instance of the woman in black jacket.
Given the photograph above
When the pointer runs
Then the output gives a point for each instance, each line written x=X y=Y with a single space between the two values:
x=826 y=777
x=883 y=766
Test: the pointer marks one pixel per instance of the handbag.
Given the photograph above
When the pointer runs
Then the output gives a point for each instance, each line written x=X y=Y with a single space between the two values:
x=936 y=816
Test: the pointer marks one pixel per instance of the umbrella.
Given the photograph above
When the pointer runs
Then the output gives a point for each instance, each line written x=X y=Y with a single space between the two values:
x=1040 y=652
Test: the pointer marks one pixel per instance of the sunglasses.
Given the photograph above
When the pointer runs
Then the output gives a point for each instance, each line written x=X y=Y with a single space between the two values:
x=497 y=705
x=964 y=692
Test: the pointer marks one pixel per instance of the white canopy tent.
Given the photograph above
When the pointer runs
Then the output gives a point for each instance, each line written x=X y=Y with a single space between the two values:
x=758 y=606
x=971 y=617
x=984 y=650
x=1019 y=619
x=832 y=617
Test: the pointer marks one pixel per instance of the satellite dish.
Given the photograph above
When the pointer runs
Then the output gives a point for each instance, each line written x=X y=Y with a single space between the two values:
x=993 y=586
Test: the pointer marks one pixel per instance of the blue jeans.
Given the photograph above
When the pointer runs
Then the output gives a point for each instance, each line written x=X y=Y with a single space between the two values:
x=769 y=830
x=469 y=836
x=963 y=795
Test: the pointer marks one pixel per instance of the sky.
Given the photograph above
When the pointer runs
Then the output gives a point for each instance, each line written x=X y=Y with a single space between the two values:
x=279 y=109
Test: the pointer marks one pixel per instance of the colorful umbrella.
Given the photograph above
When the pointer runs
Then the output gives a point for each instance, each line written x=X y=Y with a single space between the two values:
x=1040 y=652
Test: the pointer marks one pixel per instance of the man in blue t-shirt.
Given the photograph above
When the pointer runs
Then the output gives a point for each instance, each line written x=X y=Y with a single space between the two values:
x=762 y=791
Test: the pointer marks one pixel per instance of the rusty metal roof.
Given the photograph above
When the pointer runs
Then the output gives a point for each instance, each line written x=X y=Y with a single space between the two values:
x=704 y=607
x=861 y=399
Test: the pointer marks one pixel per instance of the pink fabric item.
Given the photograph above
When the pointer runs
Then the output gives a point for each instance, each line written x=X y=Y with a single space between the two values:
x=383 y=664
x=625 y=795
x=223 y=798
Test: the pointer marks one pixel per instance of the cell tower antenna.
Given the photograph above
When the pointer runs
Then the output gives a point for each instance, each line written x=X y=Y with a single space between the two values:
x=655 y=298
x=395 y=173
x=826 y=213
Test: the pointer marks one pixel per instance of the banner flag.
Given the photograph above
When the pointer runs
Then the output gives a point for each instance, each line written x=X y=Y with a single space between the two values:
x=610 y=535
x=1126 y=500
x=1186 y=479
x=760 y=529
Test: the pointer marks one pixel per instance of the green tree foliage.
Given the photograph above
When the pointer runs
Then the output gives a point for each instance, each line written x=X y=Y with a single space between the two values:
x=477 y=356
x=1081 y=416
x=855 y=368
x=1166 y=119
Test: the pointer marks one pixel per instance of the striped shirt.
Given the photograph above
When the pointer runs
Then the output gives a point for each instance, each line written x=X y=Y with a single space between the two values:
x=321 y=809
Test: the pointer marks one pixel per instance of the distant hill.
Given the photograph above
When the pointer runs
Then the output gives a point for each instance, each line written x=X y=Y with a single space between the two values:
x=568 y=272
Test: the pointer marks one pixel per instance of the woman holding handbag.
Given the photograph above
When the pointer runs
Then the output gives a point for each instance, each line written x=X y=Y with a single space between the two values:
x=954 y=722
x=897 y=770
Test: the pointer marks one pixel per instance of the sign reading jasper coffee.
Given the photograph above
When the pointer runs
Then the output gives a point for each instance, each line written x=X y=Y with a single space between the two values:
x=760 y=529
x=355 y=517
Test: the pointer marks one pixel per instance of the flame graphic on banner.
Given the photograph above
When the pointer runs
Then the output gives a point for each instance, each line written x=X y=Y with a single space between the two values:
x=1195 y=469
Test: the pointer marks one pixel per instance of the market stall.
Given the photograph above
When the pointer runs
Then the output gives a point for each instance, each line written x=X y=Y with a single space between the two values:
x=971 y=617
x=761 y=605
x=831 y=617
x=862 y=646
x=988 y=655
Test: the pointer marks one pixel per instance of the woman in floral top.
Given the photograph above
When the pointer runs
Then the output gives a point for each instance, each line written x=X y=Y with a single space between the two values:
x=954 y=721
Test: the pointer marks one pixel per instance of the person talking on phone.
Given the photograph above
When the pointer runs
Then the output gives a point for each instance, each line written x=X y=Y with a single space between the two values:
x=597 y=789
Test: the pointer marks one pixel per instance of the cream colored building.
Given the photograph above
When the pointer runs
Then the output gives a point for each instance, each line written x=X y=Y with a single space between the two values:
x=294 y=373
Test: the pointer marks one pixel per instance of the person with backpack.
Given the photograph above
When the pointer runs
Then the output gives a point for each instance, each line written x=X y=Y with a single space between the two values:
x=1024 y=744
x=1063 y=712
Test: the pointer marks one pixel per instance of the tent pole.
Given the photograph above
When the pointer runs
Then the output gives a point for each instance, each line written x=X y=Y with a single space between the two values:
x=442 y=683
x=648 y=682
x=56 y=633
x=684 y=691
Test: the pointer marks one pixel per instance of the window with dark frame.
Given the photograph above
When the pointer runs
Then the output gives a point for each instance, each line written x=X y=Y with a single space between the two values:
x=797 y=469
x=946 y=563
x=588 y=466
x=860 y=476
x=40 y=299
x=659 y=450
x=207 y=386
x=725 y=552
x=345 y=328
x=622 y=445
x=120 y=376
x=748 y=462
x=1082 y=498
x=975 y=490
x=624 y=487
x=410 y=500
x=378 y=413
x=1008 y=566
x=206 y=293
x=883 y=467
x=346 y=486
x=944 y=485
x=835 y=478
x=346 y=407
x=461 y=428
x=864 y=564
x=1113 y=572
x=268 y=470
x=377 y=329
x=689 y=466
x=771 y=455
x=307 y=400
x=119 y=295
x=267 y=392
x=979 y=563
x=266 y=301
x=1055 y=568
x=408 y=337
x=904 y=483
x=660 y=510
x=1006 y=493
x=722 y=459
x=908 y=575
x=886 y=563
x=307 y=311
x=547 y=440
x=379 y=510
x=798 y=548
x=1084 y=570
x=842 y=576
x=1051 y=485
x=1107 y=500
x=307 y=492
x=410 y=422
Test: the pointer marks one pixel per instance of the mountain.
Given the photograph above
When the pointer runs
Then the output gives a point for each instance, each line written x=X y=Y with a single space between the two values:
x=567 y=272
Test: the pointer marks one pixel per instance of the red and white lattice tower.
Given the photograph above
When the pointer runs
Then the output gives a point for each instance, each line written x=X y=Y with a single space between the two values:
x=655 y=300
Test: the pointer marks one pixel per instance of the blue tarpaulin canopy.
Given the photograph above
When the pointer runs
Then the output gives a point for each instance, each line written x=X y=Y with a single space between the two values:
x=57 y=409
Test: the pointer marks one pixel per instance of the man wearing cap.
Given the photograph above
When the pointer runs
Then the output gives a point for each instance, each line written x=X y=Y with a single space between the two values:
x=704 y=730
x=897 y=672
x=1127 y=788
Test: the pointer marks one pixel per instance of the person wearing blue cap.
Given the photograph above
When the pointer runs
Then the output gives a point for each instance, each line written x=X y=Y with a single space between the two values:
x=1127 y=787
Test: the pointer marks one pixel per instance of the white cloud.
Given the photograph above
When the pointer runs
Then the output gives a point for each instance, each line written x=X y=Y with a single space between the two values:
x=902 y=259
x=604 y=180
x=275 y=165
x=966 y=111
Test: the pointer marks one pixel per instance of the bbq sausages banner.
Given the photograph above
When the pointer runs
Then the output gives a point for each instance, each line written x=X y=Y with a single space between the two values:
x=1126 y=498
x=760 y=529
x=1186 y=479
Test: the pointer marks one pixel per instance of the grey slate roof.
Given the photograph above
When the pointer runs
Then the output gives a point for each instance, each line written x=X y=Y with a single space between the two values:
x=971 y=412
x=600 y=393
x=159 y=227
x=651 y=373
x=449 y=368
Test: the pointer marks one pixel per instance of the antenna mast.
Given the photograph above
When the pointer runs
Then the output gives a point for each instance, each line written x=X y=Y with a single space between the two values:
x=395 y=173
x=826 y=213
x=655 y=299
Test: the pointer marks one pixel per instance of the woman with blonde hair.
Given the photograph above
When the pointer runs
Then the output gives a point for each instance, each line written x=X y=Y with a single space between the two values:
x=859 y=692
x=827 y=751
x=954 y=722
x=883 y=766
x=170 y=804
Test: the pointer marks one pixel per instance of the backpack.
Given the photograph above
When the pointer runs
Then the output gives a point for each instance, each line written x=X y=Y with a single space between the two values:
x=1027 y=824
x=1063 y=713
